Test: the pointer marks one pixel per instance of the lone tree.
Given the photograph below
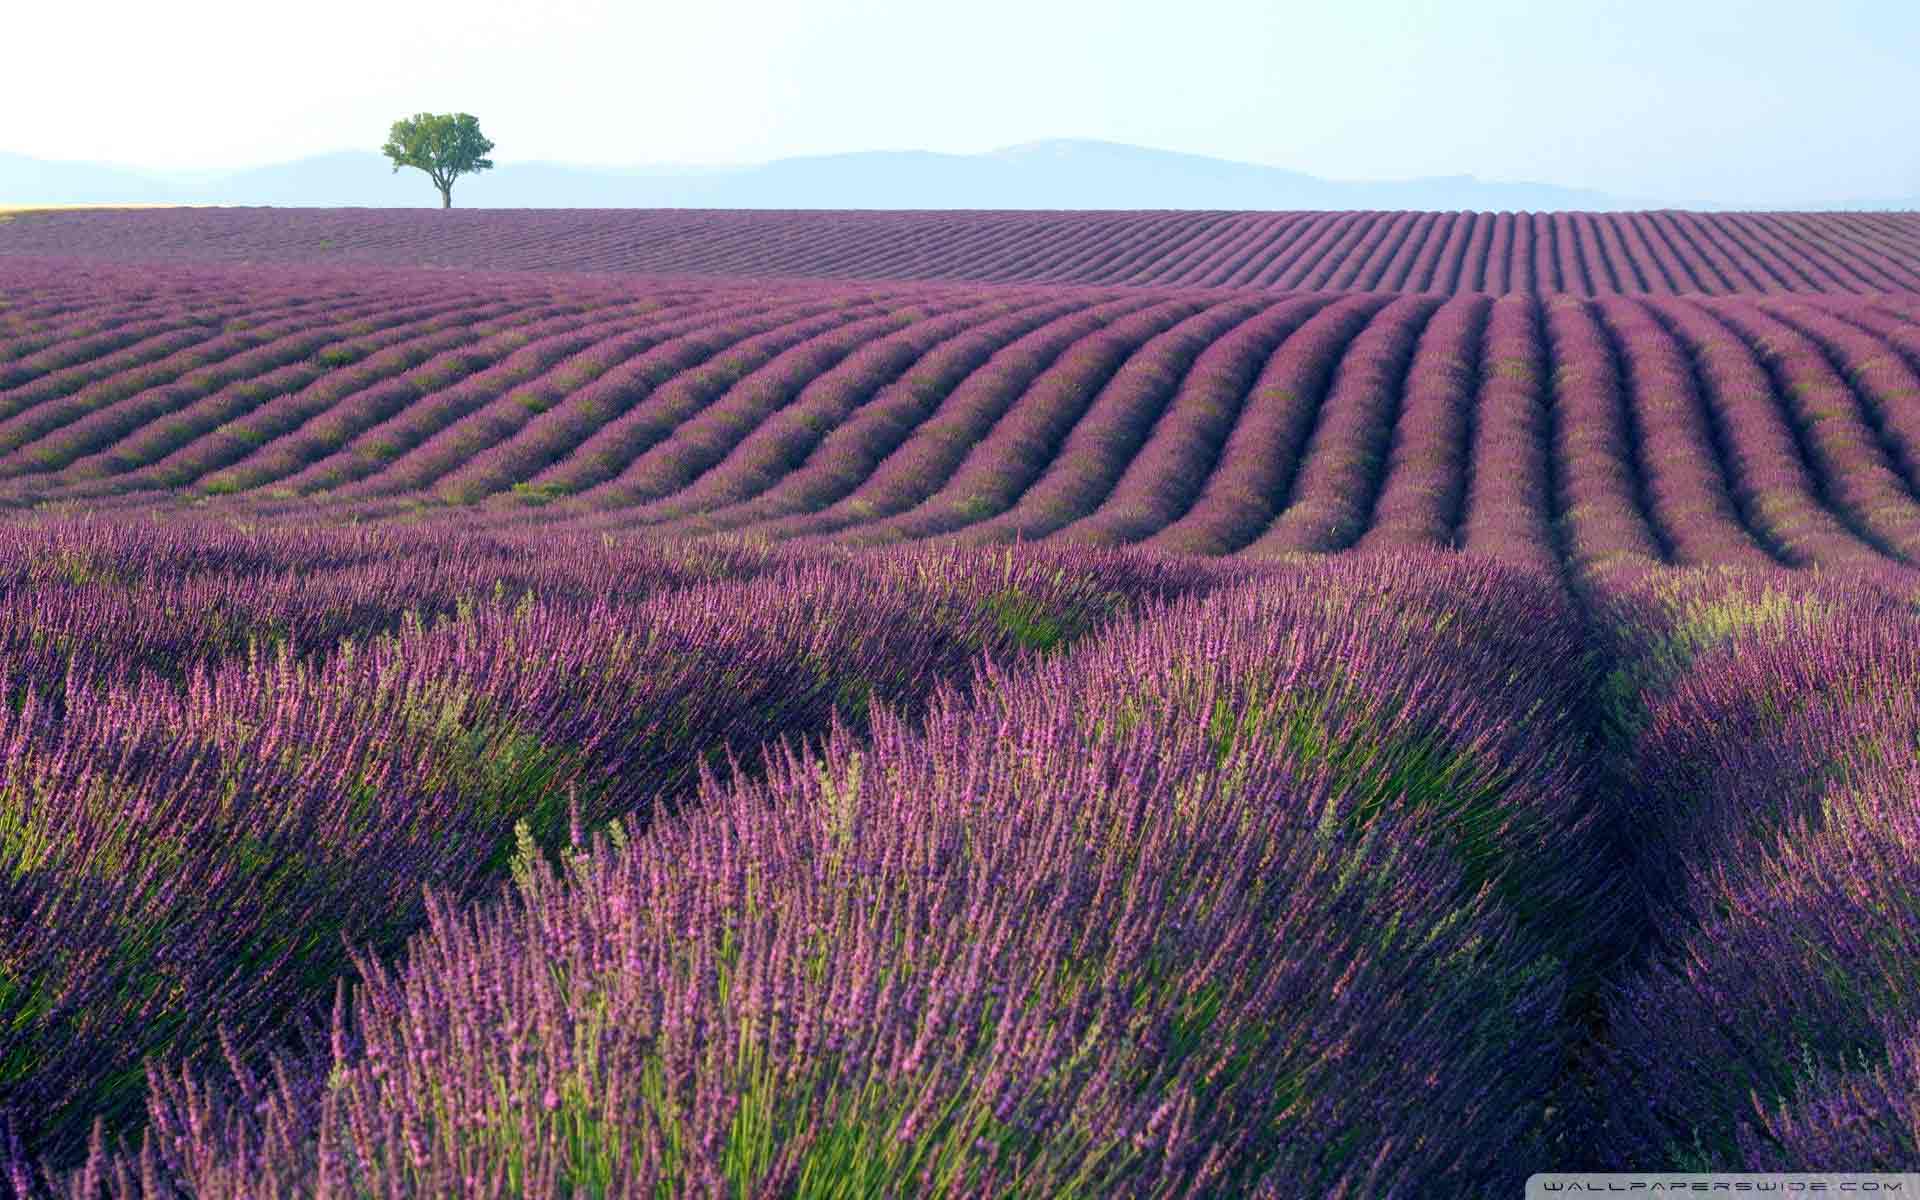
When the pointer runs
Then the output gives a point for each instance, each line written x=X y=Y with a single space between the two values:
x=444 y=145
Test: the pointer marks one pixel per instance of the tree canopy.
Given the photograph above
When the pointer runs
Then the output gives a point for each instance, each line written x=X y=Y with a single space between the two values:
x=444 y=145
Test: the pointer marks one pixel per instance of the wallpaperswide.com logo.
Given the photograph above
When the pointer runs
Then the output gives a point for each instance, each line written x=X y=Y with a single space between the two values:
x=1681 y=1183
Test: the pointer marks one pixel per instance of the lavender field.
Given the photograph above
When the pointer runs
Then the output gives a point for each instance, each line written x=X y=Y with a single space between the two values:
x=955 y=704
x=1586 y=254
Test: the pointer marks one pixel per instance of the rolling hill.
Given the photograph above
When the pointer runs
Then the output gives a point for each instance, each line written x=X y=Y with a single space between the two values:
x=1058 y=174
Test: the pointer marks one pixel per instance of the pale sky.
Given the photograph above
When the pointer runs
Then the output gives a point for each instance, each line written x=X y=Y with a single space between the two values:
x=1678 y=101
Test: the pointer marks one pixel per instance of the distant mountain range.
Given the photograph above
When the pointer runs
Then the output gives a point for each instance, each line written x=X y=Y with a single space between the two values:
x=1065 y=174
x=1059 y=174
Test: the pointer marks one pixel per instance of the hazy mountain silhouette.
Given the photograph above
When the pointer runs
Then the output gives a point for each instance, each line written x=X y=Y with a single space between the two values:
x=33 y=181
x=1042 y=175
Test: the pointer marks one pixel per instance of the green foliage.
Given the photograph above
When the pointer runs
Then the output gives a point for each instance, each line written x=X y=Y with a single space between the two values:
x=538 y=493
x=1379 y=769
x=511 y=778
x=444 y=145
x=80 y=568
x=1028 y=621
x=975 y=507
x=1700 y=616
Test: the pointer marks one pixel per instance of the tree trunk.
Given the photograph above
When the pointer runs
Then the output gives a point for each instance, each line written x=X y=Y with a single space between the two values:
x=446 y=197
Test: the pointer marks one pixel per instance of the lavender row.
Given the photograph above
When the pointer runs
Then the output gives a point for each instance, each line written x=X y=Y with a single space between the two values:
x=1771 y=726
x=574 y=419
x=108 y=343
x=1422 y=496
x=1509 y=513
x=810 y=468
x=1261 y=455
x=35 y=412
x=784 y=439
x=701 y=438
x=1596 y=434
x=94 y=602
x=1058 y=937
x=1006 y=457
x=448 y=425
x=389 y=424
x=1688 y=486
x=1332 y=494
x=368 y=400
x=316 y=793
x=358 y=364
x=615 y=444
x=1842 y=445
x=898 y=459
x=1883 y=379
x=1602 y=499
x=1771 y=479
x=1118 y=421
x=1159 y=482
x=1498 y=253
x=152 y=423
x=498 y=423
